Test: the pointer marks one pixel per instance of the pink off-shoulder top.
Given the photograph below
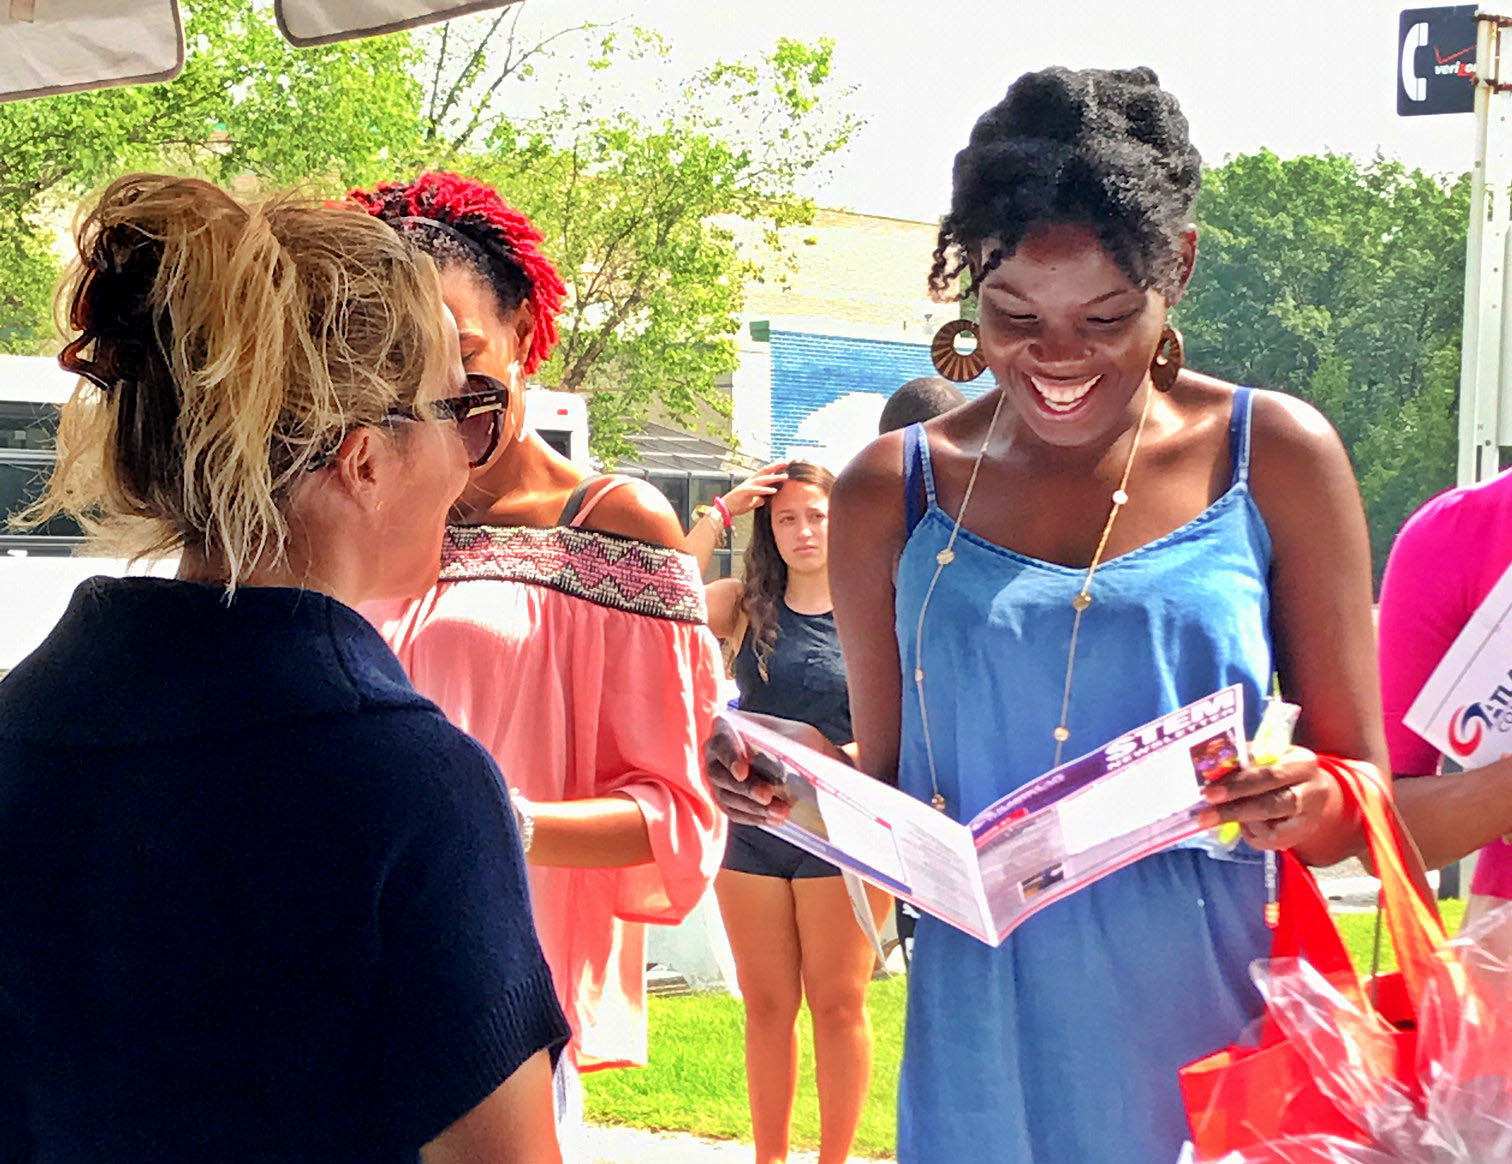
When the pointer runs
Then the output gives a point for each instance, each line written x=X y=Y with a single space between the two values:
x=582 y=661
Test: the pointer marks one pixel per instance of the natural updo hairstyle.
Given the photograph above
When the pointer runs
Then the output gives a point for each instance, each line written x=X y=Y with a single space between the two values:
x=1104 y=149
x=462 y=222
x=766 y=573
x=224 y=348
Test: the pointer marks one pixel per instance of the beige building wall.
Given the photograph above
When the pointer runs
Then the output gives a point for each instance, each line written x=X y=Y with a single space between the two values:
x=859 y=276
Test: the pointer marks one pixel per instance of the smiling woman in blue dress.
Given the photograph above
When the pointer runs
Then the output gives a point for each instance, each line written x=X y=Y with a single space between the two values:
x=1101 y=538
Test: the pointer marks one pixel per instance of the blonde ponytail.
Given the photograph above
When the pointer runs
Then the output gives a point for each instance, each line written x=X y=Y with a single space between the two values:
x=228 y=347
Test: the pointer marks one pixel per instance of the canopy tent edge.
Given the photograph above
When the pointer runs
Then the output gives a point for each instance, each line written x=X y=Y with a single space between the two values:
x=53 y=52
x=300 y=39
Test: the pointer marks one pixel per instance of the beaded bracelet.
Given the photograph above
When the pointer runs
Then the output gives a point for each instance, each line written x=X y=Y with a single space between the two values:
x=721 y=535
x=724 y=513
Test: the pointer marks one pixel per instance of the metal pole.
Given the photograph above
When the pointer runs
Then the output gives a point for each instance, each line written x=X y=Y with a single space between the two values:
x=1486 y=259
x=1485 y=419
x=1469 y=329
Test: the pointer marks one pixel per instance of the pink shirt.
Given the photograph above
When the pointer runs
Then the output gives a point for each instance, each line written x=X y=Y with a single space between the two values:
x=1443 y=564
x=582 y=662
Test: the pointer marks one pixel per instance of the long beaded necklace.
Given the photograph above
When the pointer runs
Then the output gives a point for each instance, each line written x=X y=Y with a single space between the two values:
x=1079 y=603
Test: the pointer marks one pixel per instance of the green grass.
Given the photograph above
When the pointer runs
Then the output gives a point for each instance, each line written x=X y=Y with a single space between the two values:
x=696 y=1079
x=1358 y=930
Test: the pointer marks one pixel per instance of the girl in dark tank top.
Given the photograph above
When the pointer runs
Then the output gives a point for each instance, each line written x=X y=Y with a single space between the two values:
x=804 y=676
x=787 y=913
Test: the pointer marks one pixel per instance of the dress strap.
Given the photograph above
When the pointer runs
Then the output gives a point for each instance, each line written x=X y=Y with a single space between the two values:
x=574 y=501
x=1239 y=434
x=577 y=510
x=918 y=475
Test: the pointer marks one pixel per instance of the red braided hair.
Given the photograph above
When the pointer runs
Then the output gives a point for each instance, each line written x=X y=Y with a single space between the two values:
x=501 y=233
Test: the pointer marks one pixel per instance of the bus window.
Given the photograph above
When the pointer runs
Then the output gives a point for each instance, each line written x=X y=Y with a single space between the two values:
x=25 y=424
x=28 y=433
x=22 y=480
x=561 y=420
x=558 y=438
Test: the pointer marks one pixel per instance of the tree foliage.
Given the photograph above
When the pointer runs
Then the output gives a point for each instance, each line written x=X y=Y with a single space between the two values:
x=246 y=105
x=1341 y=282
x=637 y=207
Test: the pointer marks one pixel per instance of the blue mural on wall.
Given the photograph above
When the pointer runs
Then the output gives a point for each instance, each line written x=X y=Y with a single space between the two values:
x=810 y=371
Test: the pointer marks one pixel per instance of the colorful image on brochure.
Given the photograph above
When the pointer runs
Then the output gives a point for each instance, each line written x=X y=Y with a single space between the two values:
x=1042 y=881
x=793 y=786
x=1215 y=757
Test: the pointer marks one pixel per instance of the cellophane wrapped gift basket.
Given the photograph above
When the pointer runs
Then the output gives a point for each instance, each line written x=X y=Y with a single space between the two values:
x=1413 y=1067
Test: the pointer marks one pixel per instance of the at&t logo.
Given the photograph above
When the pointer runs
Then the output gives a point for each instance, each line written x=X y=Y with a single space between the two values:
x=1467 y=728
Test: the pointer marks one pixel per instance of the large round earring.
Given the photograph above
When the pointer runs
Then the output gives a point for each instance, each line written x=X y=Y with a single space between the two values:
x=957 y=351
x=1170 y=355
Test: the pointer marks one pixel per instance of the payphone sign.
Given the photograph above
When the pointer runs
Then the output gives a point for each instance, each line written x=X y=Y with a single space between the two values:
x=1436 y=61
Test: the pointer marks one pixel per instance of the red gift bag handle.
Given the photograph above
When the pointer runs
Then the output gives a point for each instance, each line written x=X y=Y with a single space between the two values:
x=1306 y=928
x=1412 y=915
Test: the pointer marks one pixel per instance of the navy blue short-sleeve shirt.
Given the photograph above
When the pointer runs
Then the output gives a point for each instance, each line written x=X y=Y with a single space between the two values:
x=258 y=899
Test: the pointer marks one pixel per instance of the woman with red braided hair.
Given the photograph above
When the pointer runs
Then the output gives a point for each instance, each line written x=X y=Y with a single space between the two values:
x=568 y=634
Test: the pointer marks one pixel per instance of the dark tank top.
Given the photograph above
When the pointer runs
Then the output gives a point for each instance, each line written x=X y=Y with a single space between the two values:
x=806 y=673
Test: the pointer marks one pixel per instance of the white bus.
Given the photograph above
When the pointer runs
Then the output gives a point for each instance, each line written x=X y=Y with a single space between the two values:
x=561 y=420
x=40 y=568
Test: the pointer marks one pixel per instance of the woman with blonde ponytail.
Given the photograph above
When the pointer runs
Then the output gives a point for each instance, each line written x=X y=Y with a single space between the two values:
x=260 y=900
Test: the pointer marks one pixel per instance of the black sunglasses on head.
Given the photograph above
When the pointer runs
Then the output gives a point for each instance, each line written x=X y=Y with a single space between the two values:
x=478 y=414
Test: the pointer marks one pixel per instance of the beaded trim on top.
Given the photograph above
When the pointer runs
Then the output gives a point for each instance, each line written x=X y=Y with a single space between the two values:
x=617 y=572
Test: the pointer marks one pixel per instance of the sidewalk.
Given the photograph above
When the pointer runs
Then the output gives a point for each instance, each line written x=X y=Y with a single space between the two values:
x=1350 y=888
x=615 y=1145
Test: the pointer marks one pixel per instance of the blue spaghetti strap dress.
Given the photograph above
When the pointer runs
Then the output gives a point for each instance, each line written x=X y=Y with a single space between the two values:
x=1062 y=1046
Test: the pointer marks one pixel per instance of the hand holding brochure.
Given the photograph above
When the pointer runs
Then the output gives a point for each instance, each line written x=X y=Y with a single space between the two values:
x=1044 y=841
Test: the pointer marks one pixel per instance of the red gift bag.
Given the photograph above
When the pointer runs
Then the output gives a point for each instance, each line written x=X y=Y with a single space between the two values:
x=1250 y=1095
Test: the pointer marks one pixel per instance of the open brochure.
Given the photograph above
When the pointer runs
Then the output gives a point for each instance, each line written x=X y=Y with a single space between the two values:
x=1042 y=842
x=1465 y=708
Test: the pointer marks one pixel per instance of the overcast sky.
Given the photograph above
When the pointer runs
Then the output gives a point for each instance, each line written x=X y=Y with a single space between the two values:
x=1294 y=76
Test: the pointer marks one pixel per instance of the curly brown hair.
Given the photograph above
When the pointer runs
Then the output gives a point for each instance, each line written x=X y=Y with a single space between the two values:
x=470 y=224
x=1105 y=148
x=766 y=572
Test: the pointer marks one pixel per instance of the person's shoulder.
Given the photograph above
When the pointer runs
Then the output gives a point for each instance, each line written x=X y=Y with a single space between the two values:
x=1291 y=440
x=724 y=591
x=874 y=477
x=877 y=465
x=1291 y=425
x=1443 y=527
x=390 y=720
x=723 y=597
x=1276 y=418
x=638 y=509
x=870 y=486
x=416 y=756
x=1465 y=508
x=1297 y=460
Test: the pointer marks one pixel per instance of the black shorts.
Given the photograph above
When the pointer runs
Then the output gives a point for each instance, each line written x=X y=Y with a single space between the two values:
x=756 y=851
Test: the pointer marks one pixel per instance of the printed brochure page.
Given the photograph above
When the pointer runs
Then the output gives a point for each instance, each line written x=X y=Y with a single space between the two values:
x=1465 y=708
x=1060 y=832
x=885 y=835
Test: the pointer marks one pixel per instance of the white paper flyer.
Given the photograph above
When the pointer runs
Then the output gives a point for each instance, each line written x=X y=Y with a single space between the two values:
x=1044 y=841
